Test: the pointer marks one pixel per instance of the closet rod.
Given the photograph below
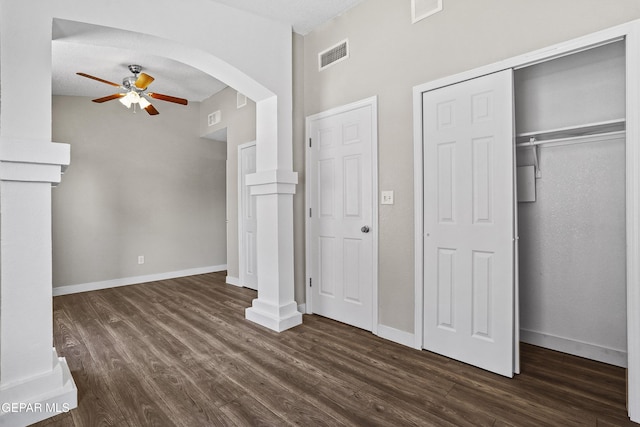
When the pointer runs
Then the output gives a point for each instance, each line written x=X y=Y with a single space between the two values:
x=571 y=139
x=573 y=128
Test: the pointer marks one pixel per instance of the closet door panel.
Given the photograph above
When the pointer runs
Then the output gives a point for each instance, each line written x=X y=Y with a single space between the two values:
x=468 y=207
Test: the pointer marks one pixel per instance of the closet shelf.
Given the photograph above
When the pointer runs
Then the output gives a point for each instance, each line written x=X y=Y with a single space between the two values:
x=528 y=139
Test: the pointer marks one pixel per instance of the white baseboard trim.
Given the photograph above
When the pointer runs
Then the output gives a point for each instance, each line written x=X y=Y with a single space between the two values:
x=396 y=335
x=46 y=395
x=302 y=308
x=577 y=348
x=94 y=286
x=233 y=281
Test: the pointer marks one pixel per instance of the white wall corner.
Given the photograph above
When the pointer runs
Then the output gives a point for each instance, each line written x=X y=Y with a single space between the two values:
x=396 y=335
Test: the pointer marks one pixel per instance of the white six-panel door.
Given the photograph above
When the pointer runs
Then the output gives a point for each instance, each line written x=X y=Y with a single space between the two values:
x=248 y=227
x=468 y=222
x=341 y=254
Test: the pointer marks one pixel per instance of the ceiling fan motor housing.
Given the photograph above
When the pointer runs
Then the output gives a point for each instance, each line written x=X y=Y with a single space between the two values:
x=135 y=69
x=129 y=82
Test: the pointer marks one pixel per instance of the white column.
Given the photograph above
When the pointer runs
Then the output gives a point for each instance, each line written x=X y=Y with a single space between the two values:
x=274 y=185
x=34 y=383
x=275 y=307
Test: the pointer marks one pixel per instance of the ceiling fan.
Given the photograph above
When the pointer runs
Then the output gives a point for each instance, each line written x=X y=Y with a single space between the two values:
x=135 y=88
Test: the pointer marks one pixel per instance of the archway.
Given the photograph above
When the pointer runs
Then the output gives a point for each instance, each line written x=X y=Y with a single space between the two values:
x=252 y=54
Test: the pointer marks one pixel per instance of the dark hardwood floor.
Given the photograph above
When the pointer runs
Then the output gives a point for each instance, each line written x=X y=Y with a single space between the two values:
x=179 y=352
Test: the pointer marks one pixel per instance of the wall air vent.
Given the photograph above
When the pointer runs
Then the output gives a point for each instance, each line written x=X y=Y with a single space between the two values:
x=214 y=118
x=334 y=54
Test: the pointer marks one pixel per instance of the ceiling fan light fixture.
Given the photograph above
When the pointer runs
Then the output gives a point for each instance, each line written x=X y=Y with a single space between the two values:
x=143 y=102
x=132 y=97
x=125 y=101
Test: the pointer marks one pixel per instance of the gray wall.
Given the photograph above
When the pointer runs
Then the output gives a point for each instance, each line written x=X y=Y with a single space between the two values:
x=573 y=251
x=299 y=166
x=241 y=127
x=389 y=56
x=137 y=185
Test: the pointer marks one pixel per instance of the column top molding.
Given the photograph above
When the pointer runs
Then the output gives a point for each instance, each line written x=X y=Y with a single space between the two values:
x=36 y=152
x=272 y=182
x=33 y=161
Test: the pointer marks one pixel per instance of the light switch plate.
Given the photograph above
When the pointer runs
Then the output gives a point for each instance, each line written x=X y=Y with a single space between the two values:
x=386 y=198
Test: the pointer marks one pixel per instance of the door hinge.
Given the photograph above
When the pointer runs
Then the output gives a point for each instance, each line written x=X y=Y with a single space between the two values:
x=310 y=283
x=310 y=213
x=309 y=142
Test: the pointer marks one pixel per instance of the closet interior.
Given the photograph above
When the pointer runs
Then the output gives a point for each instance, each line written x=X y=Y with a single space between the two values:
x=570 y=157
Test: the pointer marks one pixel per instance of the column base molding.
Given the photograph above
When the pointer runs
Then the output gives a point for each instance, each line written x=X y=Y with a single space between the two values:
x=276 y=318
x=27 y=402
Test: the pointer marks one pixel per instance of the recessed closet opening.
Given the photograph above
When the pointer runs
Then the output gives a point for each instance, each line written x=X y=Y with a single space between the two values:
x=570 y=161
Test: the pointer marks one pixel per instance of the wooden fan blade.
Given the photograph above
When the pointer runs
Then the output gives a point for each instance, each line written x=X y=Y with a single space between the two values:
x=98 y=79
x=168 y=98
x=143 y=81
x=109 y=98
x=151 y=110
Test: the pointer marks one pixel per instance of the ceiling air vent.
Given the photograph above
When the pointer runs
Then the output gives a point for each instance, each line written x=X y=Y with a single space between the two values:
x=334 y=54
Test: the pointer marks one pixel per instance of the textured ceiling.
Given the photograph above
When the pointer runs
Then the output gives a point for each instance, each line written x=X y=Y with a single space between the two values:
x=302 y=15
x=106 y=53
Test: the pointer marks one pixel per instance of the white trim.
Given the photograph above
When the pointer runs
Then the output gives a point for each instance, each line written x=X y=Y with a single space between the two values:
x=234 y=281
x=373 y=103
x=418 y=220
x=396 y=335
x=126 y=281
x=54 y=392
x=578 y=348
x=633 y=220
x=631 y=32
x=241 y=100
x=240 y=280
x=415 y=17
x=302 y=308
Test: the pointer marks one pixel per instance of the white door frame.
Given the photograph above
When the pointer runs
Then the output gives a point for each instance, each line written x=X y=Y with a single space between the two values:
x=373 y=102
x=631 y=33
x=241 y=252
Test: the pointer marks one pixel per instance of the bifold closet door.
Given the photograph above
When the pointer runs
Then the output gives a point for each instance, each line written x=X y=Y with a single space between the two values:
x=469 y=222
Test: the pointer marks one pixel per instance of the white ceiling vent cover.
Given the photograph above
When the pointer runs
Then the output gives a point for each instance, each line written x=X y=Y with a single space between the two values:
x=334 y=54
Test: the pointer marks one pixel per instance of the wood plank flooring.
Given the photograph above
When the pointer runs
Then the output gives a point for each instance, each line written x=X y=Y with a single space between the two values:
x=180 y=353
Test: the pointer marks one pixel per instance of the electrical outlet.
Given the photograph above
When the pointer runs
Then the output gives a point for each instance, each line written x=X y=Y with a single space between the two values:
x=387 y=198
x=140 y=259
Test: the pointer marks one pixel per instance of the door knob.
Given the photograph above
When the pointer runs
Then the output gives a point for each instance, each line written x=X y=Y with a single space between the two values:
x=365 y=229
